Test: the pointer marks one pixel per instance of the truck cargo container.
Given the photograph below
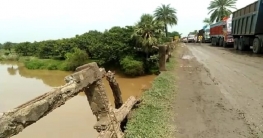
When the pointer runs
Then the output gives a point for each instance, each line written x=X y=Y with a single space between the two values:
x=220 y=33
x=247 y=27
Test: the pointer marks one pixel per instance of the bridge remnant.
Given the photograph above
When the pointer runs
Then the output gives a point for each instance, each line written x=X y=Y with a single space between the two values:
x=165 y=54
x=87 y=78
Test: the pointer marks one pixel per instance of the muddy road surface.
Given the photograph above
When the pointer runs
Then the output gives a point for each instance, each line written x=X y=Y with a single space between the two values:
x=220 y=93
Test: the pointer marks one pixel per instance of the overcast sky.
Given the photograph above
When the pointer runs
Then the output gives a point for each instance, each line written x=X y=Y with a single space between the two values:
x=35 y=20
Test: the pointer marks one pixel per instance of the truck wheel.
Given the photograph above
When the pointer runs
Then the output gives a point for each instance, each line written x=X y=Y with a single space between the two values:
x=236 y=43
x=256 y=46
x=221 y=41
x=216 y=42
x=241 y=45
x=224 y=44
x=212 y=42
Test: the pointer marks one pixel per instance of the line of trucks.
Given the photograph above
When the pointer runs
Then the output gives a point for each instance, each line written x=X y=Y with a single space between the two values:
x=242 y=30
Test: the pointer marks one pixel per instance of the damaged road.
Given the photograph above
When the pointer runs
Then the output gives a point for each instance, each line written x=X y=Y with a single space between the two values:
x=220 y=93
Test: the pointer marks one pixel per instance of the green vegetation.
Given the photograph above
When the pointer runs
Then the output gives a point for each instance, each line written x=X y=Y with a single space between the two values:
x=207 y=21
x=129 y=48
x=50 y=64
x=220 y=9
x=132 y=67
x=8 y=55
x=153 y=117
x=194 y=32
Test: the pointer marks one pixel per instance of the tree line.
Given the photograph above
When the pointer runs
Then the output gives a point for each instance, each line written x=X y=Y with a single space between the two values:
x=129 y=47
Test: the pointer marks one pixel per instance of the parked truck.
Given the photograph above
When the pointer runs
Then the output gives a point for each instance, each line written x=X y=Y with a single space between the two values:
x=247 y=27
x=207 y=38
x=220 y=33
x=191 y=38
x=201 y=33
x=205 y=34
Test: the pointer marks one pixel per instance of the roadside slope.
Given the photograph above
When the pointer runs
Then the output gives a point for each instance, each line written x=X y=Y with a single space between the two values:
x=153 y=117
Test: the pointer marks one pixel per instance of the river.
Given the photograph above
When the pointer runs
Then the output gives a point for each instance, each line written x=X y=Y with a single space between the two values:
x=72 y=120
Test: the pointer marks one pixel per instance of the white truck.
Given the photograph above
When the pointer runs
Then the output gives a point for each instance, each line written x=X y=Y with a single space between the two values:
x=191 y=38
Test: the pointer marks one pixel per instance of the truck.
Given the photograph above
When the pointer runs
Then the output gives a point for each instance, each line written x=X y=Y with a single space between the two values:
x=207 y=38
x=204 y=32
x=220 y=33
x=191 y=38
x=247 y=27
x=201 y=33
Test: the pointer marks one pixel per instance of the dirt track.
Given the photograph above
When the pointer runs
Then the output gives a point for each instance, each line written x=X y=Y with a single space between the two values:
x=220 y=93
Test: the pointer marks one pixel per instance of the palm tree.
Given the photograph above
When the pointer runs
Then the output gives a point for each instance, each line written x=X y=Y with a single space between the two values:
x=147 y=31
x=207 y=21
x=167 y=15
x=220 y=9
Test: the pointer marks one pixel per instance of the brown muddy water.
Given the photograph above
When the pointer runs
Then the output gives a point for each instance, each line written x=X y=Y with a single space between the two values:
x=72 y=120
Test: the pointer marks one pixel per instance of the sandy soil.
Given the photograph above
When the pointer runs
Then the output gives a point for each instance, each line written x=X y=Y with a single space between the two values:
x=220 y=93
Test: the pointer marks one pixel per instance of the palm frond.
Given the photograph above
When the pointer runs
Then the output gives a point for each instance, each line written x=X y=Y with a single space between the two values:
x=220 y=8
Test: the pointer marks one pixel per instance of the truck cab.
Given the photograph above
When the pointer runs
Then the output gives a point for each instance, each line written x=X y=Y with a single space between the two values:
x=227 y=31
x=206 y=37
x=191 y=38
x=220 y=33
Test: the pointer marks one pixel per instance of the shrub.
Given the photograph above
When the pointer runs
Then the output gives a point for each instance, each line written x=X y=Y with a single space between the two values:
x=132 y=67
x=52 y=67
x=75 y=59
x=152 y=64
x=165 y=39
x=34 y=64
x=49 y=64
x=6 y=53
x=11 y=57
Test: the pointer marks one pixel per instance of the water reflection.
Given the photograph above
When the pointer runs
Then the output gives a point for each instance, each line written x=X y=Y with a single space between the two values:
x=74 y=119
x=49 y=77
x=19 y=85
x=11 y=70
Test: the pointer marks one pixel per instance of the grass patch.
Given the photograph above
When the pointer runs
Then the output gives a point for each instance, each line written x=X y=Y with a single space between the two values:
x=9 y=57
x=6 y=55
x=49 y=64
x=153 y=117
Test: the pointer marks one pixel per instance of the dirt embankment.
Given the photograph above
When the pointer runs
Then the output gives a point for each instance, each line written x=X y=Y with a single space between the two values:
x=219 y=94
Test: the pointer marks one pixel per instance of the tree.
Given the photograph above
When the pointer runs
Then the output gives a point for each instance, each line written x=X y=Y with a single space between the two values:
x=220 y=9
x=207 y=21
x=194 y=32
x=174 y=33
x=167 y=15
x=8 y=46
x=147 y=31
